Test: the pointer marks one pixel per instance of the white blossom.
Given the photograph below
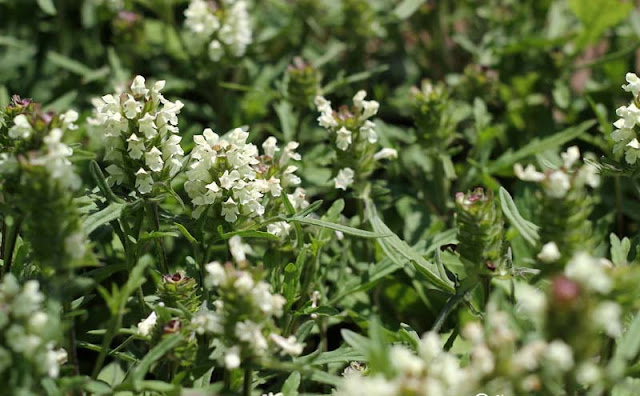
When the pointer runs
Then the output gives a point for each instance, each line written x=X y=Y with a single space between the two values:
x=146 y=325
x=549 y=253
x=386 y=153
x=344 y=179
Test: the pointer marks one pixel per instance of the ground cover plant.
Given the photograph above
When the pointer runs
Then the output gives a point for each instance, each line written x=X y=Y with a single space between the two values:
x=319 y=197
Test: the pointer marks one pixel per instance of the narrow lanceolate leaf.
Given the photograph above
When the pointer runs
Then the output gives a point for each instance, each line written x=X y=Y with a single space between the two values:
x=247 y=234
x=400 y=252
x=112 y=212
x=155 y=354
x=537 y=146
x=338 y=227
x=527 y=229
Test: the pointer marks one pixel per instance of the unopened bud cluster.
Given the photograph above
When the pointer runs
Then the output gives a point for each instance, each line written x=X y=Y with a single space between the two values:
x=480 y=232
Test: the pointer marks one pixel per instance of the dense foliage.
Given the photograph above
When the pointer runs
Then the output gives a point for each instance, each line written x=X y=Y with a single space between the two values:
x=306 y=197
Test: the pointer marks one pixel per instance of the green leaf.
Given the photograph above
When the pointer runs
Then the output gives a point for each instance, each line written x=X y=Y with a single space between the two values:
x=112 y=374
x=358 y=342
x=290 y=386
x=76 y=67
x=155 y=354
x=538 y=145
x=322 y=310
x=407 y=7
x=158 y=234
x=288 y=120
x=629 y=345
x=247 y=234
x=619 y=249
x=400 y=252
x=527 y=229
x=338 y=227
x=597 y=16
x=112 y=212
x=183 y=230
x=47 y=6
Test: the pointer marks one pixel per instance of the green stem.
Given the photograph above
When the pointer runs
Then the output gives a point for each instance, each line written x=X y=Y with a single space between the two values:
x=248 y=379
x=159 y=241
x=9 y=238
x=467 y=286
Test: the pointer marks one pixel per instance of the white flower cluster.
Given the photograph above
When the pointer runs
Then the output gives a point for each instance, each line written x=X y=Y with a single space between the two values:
x=27 y=330
x=353 y=132
x=242 y=316
x=593 y=275
x=431 y=372
x=223 y=27
x=625 y=135
x=139 y=130
x=228 y=173
x=54 y=155
x=557 y=182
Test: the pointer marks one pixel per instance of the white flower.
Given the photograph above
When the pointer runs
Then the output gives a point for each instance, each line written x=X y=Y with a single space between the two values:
x=634 y=84
x=216 y=274
x=144 y=181
x=138 y=87
x=405 y=361
x=368 y=129
x=147 y=126
x=559 y=355
x=146 y=325
x=235 y=31
x=557 y=184
x=570 y=156
x=482 y=359
x=153 y=159
x=429 y=347
x=216 y=52
x=135 y=147
x=343 y=138
x=549 y=253
x=280 y=229
x=607 y=317
x=75 y=245
x=21 y=129
x=368 y=107
x=131 y=107
x=531 y=301
x=528 y=174
x=230 y=210
x=528 y=357
x=588 y=373
x=238 y=249
x=288 y=345
x=270 y=146
x=473 y=332
x=386 y=153
x=344 y=178
x=589 y=273
x=232 y=358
